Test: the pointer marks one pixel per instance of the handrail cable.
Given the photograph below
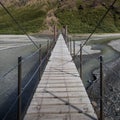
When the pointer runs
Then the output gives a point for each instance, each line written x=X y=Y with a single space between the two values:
x=98 y=24
x=23 y=60
x=105 y=66
x=25 y=87
x=21 y=93
x=34 y=73
x=19 y=26
x=115 y=73
x=10 y=108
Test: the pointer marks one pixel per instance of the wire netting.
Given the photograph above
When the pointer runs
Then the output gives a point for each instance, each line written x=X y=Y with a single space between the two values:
x=31 y=67
x=91 y=72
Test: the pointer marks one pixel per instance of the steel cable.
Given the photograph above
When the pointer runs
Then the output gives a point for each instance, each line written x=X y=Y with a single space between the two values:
x=28 y=83
x=107 y=67
x=98 y=24
x=10 y=108
x=19 y=26
x=23 y=60
x=25 y=87
x=28 y=57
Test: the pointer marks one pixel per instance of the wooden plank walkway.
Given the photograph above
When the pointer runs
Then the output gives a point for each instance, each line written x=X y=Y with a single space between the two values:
x=60 y=95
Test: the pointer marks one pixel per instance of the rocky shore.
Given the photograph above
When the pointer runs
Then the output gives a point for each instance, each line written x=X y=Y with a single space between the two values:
x=115 y=44
x=111 y=75
x=111 y=99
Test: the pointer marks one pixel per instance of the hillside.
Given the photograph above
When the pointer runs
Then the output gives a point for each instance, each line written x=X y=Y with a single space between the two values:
x=81 y=16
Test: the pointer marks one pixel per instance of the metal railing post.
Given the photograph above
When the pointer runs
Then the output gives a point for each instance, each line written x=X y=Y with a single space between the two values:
x=70 y=47
x=48 y=45
x=54 y=33
x=19 y=87
x=66 y=34
x=68 y=43
x=101 y=88
x=40 y=58
x=47 y=49
x=81 y=61
x=74 y=48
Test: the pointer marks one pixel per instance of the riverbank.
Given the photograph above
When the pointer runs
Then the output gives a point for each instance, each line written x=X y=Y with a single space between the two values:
x=111 y=74
x=111 y=78
x=108 y=46
x=96 y=46
x=115 y=45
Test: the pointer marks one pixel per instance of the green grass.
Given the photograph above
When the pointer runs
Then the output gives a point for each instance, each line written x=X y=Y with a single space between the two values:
x=84 y=21
x=30 y=18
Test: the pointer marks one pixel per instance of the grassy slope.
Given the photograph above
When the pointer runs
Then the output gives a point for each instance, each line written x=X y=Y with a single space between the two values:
x=78 y=20
x=84 y=20
x=30 y=18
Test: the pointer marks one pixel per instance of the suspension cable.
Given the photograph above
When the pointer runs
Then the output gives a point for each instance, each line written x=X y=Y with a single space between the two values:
x=15 y=101
x=19 y=26
x=98 y=24
x=27 y=84
x=105 y=65
x=9 y=110
x=23 y=60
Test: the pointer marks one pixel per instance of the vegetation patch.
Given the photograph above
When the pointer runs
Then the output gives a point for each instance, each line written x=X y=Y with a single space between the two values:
x=81 y=16
x=30 y=18
x=84 y=21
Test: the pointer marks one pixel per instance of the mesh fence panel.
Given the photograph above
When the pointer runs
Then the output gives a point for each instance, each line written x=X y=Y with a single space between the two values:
x=9 y=81
x=8 y=91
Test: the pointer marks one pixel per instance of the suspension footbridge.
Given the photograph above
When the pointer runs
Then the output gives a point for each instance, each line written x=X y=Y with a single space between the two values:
x=60 y=94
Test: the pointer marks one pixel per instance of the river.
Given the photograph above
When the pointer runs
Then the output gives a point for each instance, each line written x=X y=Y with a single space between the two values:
x=98 y=45
x=11 y=47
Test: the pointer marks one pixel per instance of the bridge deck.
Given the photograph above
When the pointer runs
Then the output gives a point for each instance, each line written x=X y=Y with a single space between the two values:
x=60 y=95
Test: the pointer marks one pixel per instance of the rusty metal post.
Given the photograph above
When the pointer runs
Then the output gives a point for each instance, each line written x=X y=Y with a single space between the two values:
x=70 y=47
x=19 y=87
x=101 y=89
x=40 y=58
x=68 y=43
x=47 y=49
x=48 y=46
x=81 y=61
x=66 y=34
x=54 y=33
x=74 y=48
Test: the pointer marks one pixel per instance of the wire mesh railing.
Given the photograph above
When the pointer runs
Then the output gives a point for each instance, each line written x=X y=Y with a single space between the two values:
x=32 y=68
x=101 y=83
